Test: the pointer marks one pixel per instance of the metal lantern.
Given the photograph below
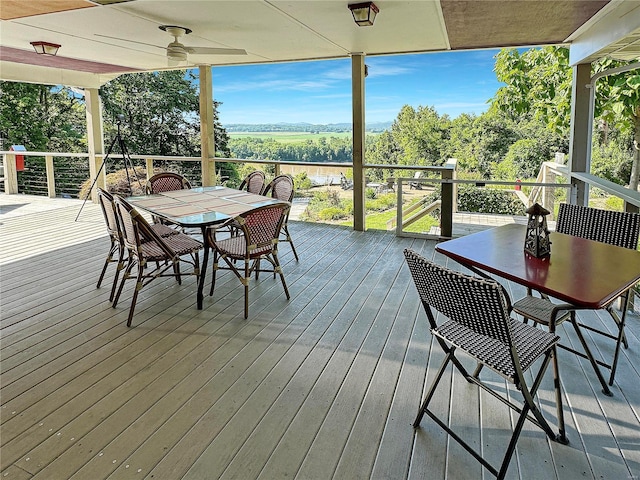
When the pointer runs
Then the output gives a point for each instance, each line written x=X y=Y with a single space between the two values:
x=536 y=240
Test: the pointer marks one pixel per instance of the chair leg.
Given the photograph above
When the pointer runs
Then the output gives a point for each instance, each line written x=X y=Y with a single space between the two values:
x=512 y=443
x=562 y=434
x=285 y=227
x=127 y=273
x=112 y=251
x=432 y=389
x=245 y=282
x=214 y=270
x=621 y=337
x=134 y=298
x=589 y=355
x=278 y=268
x=119 y=268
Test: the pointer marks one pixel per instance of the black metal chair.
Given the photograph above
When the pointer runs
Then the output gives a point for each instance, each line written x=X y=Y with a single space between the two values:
x=616 y=228
x=115 y=235
x=257 y=239
x=254 y=182
x=282 y=188
x=144 y=245
x=478 y=323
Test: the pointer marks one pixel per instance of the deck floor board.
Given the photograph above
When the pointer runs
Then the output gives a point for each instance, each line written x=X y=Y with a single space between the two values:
x=325 y=385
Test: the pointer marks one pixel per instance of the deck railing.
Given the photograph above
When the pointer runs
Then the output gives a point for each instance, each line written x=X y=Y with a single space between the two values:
x=542 y=190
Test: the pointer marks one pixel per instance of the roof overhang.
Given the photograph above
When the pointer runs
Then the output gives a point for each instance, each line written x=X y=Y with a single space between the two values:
x=100 y=41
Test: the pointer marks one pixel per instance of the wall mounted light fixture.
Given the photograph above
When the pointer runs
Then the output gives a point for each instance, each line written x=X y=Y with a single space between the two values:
x=45 y=48
x=364 y=13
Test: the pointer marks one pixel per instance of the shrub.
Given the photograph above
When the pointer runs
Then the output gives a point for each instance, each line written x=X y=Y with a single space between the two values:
x=484 y=200
x=118 y=183
x=370 y=193
x=302 y=181
x=489 y=200
x=614 y=203
x=382 y=203
x=332 y=213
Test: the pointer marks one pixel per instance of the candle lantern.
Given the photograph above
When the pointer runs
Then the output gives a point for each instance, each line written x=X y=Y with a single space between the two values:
x=536 y=240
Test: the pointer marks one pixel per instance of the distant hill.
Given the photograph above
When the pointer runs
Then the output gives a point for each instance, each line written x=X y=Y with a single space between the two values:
x=302 y=127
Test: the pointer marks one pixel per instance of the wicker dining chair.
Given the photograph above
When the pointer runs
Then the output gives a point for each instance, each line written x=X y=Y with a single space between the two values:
x=257 y=239
x=282 y=188
x=616 y=228
x=145 y=247
x=166 y=182
x=477 y=322
x=254 y=182
x=115 y=236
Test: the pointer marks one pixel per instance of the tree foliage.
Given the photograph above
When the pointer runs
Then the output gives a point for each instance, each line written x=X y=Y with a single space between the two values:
x=538 y=86
x=420 y=134
x=161 y=113
x=42 y=118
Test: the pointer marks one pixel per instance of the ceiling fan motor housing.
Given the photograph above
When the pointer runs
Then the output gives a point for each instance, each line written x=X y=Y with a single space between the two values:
x=176 y=51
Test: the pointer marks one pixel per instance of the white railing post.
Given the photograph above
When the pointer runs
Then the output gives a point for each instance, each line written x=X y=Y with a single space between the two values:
x=10 y=174
x=399 y=207
x=51 y=179
x=149 y=168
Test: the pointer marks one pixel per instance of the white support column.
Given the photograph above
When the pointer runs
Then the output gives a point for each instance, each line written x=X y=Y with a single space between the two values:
x=207 y=139
x=580 y=131
x=95 y=138
x=357 y=94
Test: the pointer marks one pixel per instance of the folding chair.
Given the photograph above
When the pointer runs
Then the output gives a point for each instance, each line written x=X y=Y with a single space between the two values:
x=616 y=228
x=282 y=188
x=478 y=323
x=144 y=245
x=254 y=182
x=115 y=235
x=257 y=238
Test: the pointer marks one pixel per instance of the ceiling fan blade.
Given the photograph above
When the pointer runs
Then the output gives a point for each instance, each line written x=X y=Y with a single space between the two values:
x=215 y=51
x=127 y=40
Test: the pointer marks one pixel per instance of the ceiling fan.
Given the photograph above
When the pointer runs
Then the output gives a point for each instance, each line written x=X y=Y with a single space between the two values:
x=178 y=52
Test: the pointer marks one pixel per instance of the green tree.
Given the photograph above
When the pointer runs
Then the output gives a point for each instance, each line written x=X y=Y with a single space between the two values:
x=161 y=117
x=41 y=117
x=421 y=135
x=619 y=105
x=538 y=86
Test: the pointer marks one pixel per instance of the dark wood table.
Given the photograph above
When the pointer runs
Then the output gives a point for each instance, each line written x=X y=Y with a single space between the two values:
x=584 y=273
x=201 y=208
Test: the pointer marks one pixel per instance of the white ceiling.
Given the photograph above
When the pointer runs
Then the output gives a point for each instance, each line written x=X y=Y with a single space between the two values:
x=102 y=41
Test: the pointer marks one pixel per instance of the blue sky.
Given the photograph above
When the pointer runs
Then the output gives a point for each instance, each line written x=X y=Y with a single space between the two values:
x=320 y=91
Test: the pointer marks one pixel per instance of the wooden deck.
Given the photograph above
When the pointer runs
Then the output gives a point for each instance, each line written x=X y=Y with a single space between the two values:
x=325 y=385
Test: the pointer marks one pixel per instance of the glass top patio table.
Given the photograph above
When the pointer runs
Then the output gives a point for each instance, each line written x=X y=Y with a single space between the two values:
x=200 y=207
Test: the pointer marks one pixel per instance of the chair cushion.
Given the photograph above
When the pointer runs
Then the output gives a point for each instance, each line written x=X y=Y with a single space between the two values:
x=530 y=342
